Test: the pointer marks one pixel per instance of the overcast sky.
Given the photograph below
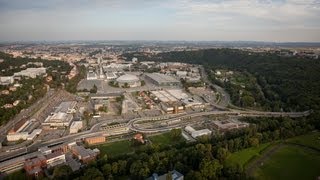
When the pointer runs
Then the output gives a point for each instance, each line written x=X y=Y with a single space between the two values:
x=225 y=20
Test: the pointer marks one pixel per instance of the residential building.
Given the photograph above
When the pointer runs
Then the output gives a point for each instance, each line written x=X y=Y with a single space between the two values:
x=6 y=80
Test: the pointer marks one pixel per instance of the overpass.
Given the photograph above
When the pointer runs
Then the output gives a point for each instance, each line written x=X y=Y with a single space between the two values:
x=132 y=124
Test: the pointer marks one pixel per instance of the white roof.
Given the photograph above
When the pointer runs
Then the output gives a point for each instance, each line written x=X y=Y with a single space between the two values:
x=128 y=78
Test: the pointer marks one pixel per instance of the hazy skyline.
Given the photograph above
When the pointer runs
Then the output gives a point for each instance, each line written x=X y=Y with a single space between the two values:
x=232 y=20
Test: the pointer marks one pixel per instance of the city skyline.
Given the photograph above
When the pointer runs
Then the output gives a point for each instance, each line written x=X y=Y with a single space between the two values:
x=262 y=20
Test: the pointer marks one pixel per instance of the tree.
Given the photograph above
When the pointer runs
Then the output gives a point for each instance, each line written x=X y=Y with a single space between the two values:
x=247 y=101
x=210 y=169
x=94 y=89
x=175 y=134
x=222 y=154
x=107 y=170
x=92 y=173
x=62 y=172
x=254 y=142
x=122 y=166
x=115 y=168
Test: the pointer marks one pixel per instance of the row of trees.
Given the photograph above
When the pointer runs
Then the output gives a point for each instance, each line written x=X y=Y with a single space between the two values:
x=72 y=84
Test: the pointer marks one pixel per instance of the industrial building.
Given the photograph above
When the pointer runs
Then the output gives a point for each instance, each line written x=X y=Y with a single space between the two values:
x=66 y=107
x=175 y=100
x=55 y=158
x=83 y=154
x=17 y=163
x=111 y=75
x=229 y=124
x=62 y=116
x=34 y=166
x=75 y=127
x=162 y=80
x=24 y=130
x=128 y=80
x=31 y=72
x=95 y=140
x=57 y=120
x=197 y=133
x=92 y=76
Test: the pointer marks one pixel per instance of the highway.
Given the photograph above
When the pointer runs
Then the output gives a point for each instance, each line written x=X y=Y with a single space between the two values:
x=224 y=98
x=132 y=124
x=95 y=130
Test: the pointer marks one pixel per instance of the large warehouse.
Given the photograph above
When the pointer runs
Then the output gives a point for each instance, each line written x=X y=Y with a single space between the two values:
x=128 y=80
x=162 y=80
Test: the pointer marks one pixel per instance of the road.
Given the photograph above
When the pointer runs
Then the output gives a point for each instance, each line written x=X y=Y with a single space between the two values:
x=132 y=124
x=95 y=130
x=224 y=98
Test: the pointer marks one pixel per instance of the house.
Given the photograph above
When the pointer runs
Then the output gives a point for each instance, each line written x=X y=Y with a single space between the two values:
x=139 y=138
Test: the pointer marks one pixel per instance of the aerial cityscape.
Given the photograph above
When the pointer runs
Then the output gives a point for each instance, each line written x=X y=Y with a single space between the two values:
x=233 y=94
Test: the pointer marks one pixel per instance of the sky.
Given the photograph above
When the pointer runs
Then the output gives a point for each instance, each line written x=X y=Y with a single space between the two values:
x=191 y=20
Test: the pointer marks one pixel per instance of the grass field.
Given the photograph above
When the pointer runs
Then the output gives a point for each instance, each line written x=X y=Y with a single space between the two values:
x=115 y=148
x=291 y=162
x=244 y=156
x=311 y=140
x=164 y=139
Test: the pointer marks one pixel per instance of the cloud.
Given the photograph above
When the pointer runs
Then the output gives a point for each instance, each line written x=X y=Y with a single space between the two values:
x=278 y=20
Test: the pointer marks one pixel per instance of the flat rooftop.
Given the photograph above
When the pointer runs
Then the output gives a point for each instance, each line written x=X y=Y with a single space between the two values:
x=162 y=78
x=66 y=106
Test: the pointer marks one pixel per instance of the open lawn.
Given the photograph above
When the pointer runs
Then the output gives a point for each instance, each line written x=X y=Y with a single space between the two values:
x=115 y=148
x=311 y=140
x=244 y=156
x=290 y=162
x=164 y=139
